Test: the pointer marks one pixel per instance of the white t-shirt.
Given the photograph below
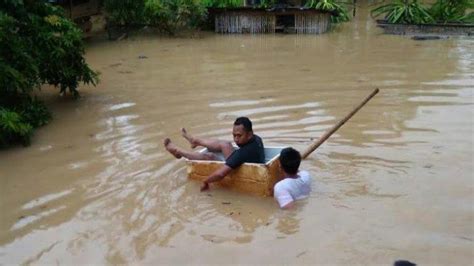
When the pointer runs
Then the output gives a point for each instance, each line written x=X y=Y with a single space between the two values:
x=291 y=189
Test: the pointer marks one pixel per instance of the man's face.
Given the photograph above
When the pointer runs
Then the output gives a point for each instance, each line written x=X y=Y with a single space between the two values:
x=241 y=137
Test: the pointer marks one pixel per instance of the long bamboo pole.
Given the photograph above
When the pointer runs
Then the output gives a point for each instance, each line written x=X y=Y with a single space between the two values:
x=328 y=133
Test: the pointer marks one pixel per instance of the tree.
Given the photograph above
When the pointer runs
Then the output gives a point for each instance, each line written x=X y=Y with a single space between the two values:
x=38 y=45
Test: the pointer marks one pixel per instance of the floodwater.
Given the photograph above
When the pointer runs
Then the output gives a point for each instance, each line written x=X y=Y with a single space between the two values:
x=395 y=182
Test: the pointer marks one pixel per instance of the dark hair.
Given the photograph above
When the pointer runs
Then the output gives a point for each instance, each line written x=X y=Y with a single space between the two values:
x=244 y=121
x=290 y=160
x=403 y=263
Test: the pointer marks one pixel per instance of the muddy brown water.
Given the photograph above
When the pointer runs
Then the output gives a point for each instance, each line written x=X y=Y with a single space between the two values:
x=395 y=182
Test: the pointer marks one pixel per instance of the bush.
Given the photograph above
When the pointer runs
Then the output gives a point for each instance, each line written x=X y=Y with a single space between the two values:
x=171 y=16
x=38 y=45
x=125 y=12
x=13 y=128
x=168 y=16
x=221 y=3
x=452 y=11
x=34 y=112
x=267 y=3
x=412 y=12
x=404 y=11
x=469 y=18
x=340 y=9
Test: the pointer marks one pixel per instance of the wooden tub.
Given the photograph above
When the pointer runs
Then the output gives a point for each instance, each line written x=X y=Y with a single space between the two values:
x=253 y=178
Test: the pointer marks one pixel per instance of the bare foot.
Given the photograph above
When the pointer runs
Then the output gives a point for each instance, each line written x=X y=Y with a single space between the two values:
x=188 y=137
x=171 y=148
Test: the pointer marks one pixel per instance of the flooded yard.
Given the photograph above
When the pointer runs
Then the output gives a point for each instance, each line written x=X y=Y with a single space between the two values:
x=396 y=182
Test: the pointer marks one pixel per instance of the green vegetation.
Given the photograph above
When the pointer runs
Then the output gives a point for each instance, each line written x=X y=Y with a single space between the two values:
x=221 y=3
x=234 y=3
x=38 y=45
x=452 y=11
x=267 y=3
x=404 y=11
x=171 y=16
x=413 y=12
x=331 y=5
x=125 y=12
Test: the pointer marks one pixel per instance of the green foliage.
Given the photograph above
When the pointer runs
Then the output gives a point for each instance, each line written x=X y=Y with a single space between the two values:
x=331 y=5
x=168 y=16
x=452 y=11
x=412 y=12
x=125 y=12
x=38 y=45
x=469 y=18
x=221 y=3
x=267 y=3
x=34 y=112
x=19 y=71
x=13 y=128
x=171 y=16
x=234 y=3
x=404 y=11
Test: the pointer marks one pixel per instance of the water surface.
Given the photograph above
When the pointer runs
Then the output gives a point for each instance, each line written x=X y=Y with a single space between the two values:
x=395 y=182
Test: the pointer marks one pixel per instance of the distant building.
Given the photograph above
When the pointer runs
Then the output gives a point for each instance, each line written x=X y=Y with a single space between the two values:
x=288 y=16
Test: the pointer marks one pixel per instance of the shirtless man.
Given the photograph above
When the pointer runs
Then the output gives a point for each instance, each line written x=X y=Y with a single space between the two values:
x=250 y=149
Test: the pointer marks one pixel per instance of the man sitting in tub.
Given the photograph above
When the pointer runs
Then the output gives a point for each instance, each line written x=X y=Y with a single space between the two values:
x=250 y=149
x=296 y=184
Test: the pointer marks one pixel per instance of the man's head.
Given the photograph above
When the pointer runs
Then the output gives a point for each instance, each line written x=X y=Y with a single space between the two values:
x=242 y=131
x=403 y=263
x=290 y=160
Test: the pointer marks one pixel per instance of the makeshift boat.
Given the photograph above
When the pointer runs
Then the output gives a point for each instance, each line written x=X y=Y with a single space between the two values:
x=254 y=178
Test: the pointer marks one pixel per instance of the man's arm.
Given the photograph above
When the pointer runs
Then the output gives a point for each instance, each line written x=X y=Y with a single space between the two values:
x=289 y=205
x=219 y=174
x=283 y=196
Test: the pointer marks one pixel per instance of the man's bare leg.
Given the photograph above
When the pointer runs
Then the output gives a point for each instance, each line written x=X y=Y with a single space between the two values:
x=189 y=138
x=214 y=145
x=178 y=152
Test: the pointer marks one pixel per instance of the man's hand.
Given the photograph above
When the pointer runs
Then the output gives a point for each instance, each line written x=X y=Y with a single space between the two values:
x=205 y=186
x=217 y=175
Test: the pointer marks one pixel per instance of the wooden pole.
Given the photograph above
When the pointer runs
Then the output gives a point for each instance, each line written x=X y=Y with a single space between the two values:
x=354 y=8
x=328 y=133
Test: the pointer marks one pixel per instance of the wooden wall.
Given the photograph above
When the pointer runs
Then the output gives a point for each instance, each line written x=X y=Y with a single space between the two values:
x=265 y=22
x=312 y=23
x=240 y=22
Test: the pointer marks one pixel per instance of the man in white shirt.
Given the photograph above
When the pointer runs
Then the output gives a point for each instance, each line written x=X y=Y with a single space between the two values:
x=296 y=184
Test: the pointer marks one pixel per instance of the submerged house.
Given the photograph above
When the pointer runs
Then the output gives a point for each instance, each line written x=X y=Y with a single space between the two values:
x=289 y=16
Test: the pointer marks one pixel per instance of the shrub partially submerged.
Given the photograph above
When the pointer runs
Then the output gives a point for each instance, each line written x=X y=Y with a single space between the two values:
x=452 y=11
x=171 y=16
x=125 y=12
x=413 y=12
x=339 y=8
x=38 y=45
x=221 y=3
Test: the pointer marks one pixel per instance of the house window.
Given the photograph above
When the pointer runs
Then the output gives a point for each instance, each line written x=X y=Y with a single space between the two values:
x=285 y=22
